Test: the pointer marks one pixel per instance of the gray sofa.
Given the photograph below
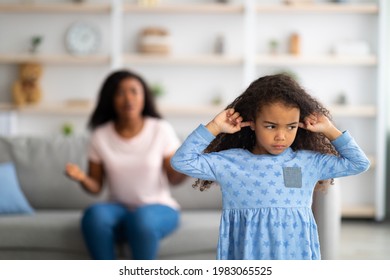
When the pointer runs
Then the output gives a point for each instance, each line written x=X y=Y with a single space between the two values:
x=53 y=230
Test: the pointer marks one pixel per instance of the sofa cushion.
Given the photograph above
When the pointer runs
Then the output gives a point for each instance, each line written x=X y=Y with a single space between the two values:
x=59 y=231
x=40 y=164
x=197 y=234
x=51 y=231
x=12 y=199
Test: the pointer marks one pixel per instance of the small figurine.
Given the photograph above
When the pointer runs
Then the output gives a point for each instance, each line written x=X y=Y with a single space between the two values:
x=219 y=47
x=295 y=44
x=341 y=99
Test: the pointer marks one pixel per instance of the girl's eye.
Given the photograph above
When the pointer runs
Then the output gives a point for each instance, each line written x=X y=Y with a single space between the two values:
x=292 y=127
x=269 y=126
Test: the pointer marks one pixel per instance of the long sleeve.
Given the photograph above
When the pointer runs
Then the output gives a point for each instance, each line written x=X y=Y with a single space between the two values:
x=352 y=159
x=190 y=159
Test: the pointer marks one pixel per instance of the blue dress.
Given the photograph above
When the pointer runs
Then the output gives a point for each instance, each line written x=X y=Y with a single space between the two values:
x=267 y=198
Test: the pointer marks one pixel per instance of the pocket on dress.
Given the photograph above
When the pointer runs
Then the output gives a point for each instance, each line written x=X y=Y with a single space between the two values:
x=292 y=177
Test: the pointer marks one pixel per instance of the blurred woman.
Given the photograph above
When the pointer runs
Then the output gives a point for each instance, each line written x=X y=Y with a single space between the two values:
x=130 y=148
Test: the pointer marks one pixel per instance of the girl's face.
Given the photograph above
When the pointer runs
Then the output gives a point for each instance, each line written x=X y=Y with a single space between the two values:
x=276 y=126
x=129 y=99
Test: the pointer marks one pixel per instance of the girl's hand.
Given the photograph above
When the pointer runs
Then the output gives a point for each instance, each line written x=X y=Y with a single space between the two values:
x=74 y=172
x=316 y=123
x=228 y=121
x=320 y=124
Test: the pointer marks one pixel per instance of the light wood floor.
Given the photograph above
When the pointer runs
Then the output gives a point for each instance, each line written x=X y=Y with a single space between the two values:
x=364 y=240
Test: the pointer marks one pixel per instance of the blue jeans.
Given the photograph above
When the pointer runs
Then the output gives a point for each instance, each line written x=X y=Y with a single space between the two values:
x=104 y=225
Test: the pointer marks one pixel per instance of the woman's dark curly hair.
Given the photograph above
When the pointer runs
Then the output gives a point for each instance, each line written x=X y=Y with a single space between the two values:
x=279 y=88
x=105 y=110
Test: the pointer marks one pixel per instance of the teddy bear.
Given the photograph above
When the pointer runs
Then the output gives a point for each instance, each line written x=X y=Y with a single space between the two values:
x=27 y=89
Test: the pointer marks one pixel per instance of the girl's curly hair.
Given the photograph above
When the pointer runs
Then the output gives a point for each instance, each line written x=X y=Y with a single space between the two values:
x=279 y=88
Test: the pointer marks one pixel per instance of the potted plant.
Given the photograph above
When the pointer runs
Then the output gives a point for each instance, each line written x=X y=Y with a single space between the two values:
x=36 y=41
x=157 y=90
x=273 y=46
x=67 y=129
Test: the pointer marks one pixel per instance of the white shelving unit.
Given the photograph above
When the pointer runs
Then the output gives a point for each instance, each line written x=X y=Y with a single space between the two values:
x=246 y=25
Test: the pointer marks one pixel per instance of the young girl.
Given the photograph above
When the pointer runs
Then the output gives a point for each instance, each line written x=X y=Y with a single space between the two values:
x=267 y=151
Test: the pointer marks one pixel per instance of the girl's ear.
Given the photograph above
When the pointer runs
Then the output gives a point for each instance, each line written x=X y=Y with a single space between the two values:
x=252 y=125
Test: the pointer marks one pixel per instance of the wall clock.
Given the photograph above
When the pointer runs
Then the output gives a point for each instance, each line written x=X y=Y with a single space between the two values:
x=82 y=38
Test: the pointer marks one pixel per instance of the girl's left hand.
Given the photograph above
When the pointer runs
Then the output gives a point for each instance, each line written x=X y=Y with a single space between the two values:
x=316 y=123
x=322 y=124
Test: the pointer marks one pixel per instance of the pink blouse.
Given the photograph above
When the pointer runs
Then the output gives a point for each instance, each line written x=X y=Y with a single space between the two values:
x=134 y=167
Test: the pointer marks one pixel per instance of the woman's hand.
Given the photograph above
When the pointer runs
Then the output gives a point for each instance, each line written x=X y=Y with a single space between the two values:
x=320 y=124
x=74 y=172
x=91 y=182
x=228 y=121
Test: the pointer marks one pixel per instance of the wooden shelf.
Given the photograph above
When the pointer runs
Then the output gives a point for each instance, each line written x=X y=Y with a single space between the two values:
x=358 y=212
x=353 y=111
x=127 y=59
x=63 y=108
x=182 y=60
x=365 y=8
x=185 y=8
x=286 y=59
x=54 y=59
x=368 y=8
x=55 y=8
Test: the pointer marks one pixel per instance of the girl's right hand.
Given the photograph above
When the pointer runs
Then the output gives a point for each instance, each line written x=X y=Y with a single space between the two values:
x=74 y=172
x=228 y=121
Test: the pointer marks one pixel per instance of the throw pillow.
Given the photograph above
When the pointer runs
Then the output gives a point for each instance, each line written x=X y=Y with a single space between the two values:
x=12 y=199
